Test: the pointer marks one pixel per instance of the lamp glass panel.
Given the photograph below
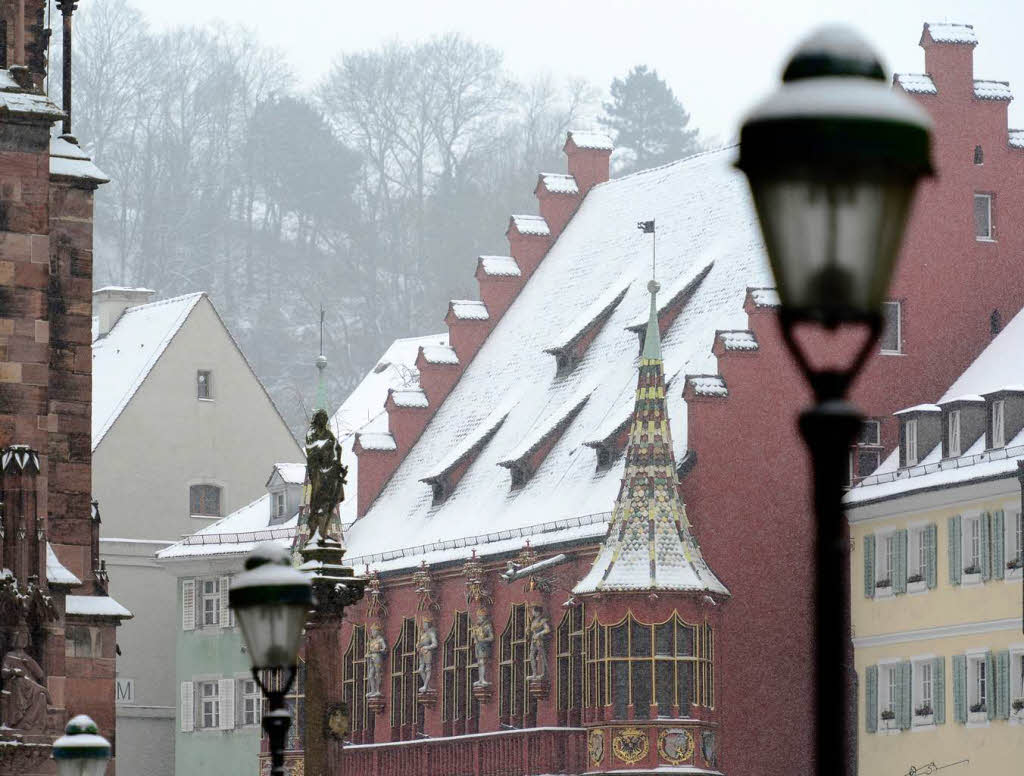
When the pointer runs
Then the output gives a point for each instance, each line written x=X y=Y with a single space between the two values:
x=272 y=632
x=832 y=244
x=82 y=766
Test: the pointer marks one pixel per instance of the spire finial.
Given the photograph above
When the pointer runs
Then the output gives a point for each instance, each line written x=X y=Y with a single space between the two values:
x=652 y=339
x=321 y=366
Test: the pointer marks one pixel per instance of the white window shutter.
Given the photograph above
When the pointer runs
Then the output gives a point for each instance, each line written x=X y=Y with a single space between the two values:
x=188 y=604
x=188 y=719
x=225 y=618
x=226 y=691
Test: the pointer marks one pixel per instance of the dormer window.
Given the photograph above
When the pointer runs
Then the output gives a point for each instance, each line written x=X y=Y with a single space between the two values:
x=604 y=458
x=519 y=476
x=439 y=490
x=280 y=504
x=998 y=426
x=953 y=448
x=910 y=442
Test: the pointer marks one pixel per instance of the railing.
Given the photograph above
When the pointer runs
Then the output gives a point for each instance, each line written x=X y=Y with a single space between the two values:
x=528 y=752
x=946 y=464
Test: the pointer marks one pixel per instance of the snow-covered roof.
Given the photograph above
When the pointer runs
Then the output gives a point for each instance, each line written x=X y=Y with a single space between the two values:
x=69 y=161
x=738 y=340
x=363 y=409
x=531 y=225
x=674 y=291
x=992 y=90
x=470 y=442
x=95 y=606
x=409 y=397
x=122 y=359
x=704 y=214
x=56 y=572
x=919 y=408
x=916 y=83
x=998 y=365
x=765 y=297
x=597 y=141
x=559 y=183
x=500 y=266
x=951 y=32
x=14 y=99
x=469 y=310
x=707 y=385
x=291 y=473
x=1016 y=138
x=383 y=441
x=592 y=315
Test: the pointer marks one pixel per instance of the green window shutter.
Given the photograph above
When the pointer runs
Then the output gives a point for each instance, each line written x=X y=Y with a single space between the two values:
x=931 y=537
x=986 y=552
x=960 y=689
x=998 y=545
x=899 y=582
x=1003 y=684
x=991 y=691
x=903 y=707
x=869 y=567
x=939 y=689
x=956 y=565
x=871 y=699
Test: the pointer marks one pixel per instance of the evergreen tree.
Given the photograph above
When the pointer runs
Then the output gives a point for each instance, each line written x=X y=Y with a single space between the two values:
x=648 y=121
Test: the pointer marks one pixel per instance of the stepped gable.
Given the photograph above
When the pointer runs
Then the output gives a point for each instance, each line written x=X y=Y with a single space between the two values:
x=707 y=229
x=470 y=322
x=649 y=544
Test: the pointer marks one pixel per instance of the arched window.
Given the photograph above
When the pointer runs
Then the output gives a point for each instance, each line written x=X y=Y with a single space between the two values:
x=659 y=669
x=570 y=666
x=460 y=711
x=406 y=713
x=354 y=687
x=516 y=707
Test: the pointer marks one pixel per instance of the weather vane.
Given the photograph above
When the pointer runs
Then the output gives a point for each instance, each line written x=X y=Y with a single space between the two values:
x=647 y=227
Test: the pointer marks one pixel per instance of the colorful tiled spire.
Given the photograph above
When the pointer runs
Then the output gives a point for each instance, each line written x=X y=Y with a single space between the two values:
x=649 y=545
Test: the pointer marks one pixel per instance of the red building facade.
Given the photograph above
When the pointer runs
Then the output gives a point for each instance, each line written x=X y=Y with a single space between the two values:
x=517 y=434
x=57 y=622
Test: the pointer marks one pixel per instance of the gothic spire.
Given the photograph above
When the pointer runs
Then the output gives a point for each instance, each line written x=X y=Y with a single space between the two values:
x=649 y=545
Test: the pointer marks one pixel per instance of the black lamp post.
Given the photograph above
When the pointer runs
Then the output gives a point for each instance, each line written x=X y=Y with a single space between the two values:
x=81 y=751
x=272 y=601
x=833 y=159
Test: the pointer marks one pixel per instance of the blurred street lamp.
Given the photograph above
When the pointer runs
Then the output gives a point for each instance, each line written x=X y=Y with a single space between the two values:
x=271 y=601
x=81 y=751
x=833 y=158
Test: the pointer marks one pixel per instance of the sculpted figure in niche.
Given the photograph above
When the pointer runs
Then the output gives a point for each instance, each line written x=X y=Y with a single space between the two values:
x=482 y=632
x=376 y=650
x=540 y=629
x=425 y=647
x=326 y=476
x=25 y=696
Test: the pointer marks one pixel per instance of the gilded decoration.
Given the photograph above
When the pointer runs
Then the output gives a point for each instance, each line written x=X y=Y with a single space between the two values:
x=595 y=746
x=338 y=721
x=476 y=581
x=377 y=601
x=675 y=745
x=630 y=745
x=423 y=584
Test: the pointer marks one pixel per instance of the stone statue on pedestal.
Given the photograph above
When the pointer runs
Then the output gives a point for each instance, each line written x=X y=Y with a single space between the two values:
x=426 y=645
x=376 y=651
x=25 y=697
x=326 y=477
x=540 y=629
x=482 y=632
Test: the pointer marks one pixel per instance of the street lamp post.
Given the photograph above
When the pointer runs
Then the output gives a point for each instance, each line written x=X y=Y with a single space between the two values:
x=81 y=751
x=272 y=601
x=833 y=158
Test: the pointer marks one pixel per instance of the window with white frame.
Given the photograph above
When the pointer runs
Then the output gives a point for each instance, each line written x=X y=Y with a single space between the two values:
x=953 y=440
x=917 y=560
x=251 y=701
x=209 y=705
x=210 y=602
x=888 y=695
x=886 y=561
x=1017 y=681
x=204 y=384
x=910 y=442
x=892 y=334
x=977 y=683
x=923 y=707
x=1014 y=542
x=279 y=504
x=983 y=216
x=972 y=545
x=998 y=423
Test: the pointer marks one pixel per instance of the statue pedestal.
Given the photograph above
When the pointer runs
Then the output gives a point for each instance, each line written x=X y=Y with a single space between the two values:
x=427 y=697
x=483 y=691
x=539 y=687
x=375 y=703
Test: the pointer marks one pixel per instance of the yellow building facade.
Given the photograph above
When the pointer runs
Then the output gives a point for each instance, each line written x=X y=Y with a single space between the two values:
x=937 y=587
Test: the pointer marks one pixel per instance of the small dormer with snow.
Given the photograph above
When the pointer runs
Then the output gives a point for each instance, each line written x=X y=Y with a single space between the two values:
x=285 y=489
x=963 y=422
x=920 y=432
x=1004 y=410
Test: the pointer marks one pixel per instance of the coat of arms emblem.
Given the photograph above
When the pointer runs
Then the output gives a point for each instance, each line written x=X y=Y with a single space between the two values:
x=630 y=745
x=595 y=746
x=675 y=745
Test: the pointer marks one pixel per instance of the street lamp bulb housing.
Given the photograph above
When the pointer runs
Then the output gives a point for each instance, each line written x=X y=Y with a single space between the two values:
x=833 y=158
x=271 y=601
x=81 y=751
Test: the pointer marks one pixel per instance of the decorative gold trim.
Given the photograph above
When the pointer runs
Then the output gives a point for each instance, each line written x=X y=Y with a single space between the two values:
x=682 y=754
x=631 y=745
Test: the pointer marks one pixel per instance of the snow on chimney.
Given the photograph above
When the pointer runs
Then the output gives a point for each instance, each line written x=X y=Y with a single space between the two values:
x=110 y=302
x=949 y=57
x=589 y=154
x=558 y=196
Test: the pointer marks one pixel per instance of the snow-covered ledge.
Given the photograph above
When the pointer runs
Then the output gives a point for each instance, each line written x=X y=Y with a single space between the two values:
x=970 y=579
x=914 y=588
x=977 y=719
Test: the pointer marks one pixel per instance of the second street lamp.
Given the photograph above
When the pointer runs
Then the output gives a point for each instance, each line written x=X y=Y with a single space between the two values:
x=833 y=159
x=272 y=601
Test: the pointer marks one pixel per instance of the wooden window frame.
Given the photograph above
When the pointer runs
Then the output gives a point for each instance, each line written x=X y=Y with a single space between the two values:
x=516 y=707
x=406 y=712
x=354 y=687
x=460 y=711
x=569 y=666
x=198 y=507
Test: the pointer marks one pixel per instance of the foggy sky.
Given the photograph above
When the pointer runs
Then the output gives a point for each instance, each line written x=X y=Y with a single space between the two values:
x=720 y=57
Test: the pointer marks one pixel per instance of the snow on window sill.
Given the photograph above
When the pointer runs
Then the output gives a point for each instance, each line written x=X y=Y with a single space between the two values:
x=977 y=719
x=970 y=579
x=978 y=238
x=200 y=398
x=891 y=353
x=1013 y=575
x=884 y=730
x=921 y=724
x=884 y=592
x=916 y=588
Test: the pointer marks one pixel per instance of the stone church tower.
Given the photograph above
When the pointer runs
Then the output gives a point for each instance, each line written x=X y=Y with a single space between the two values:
x=57 y=624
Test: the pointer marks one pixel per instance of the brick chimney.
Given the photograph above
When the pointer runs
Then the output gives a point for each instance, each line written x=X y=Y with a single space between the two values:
x=589 y=154
x=949 y=57
x=110 y=302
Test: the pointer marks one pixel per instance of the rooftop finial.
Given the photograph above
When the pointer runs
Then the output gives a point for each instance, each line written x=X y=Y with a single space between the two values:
x=652 y=339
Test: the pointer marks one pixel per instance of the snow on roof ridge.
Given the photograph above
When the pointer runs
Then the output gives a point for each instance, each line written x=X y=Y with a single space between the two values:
x=531 y=225
x=919 y=408
x=600 y=309
x=559 y=183
x=915 y=83
x=544 y=428
x=737 y=339
x=292 y=473
x=708 y=385
x=1015 y=138
x=377 y=440
x=972 y=398
x=499 y=266
x=469 y=309
x=952 y=32
x=477 y=437
x=95 y=606
x=651 y=170
x=409 y=397
x=591 y=139
x=56 y=572
x=987 y=89
x=439 y=354
x=106 y=343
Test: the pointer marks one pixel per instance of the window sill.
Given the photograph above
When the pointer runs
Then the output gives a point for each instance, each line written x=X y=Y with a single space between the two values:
x=1012 y=575
x=984 y=239
x=917 y=588
x=977 y=719
x=923 y=722
x=923 y=727
x=891 y=353
x=200 y=398
x=888 y=731
x=206 y=517
x=966 y=580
